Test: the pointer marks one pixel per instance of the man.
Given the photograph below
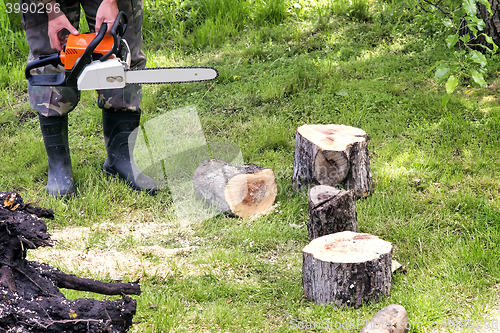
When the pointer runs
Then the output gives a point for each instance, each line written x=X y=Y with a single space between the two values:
x=120 y=107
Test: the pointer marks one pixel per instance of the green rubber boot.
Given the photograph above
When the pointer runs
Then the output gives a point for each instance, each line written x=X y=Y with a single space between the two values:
x=55 y=138
x=117 y=128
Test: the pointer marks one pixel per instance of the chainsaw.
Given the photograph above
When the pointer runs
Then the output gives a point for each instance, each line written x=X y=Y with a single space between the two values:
x=99 y=61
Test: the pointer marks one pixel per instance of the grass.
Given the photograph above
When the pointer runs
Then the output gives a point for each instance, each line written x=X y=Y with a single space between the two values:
x=435 y=170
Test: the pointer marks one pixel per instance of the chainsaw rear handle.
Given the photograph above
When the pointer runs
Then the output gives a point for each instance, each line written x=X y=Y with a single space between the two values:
x=45 y=79
x=70 y=78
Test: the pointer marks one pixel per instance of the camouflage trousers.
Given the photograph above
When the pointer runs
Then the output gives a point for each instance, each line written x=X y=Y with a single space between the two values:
x=58 y=101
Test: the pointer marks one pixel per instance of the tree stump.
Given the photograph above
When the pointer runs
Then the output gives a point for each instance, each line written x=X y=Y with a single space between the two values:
x=347 y=269
x=332 y=155
x=391 y=319
x=30 y=299
x=238 y=190
x=330 y=210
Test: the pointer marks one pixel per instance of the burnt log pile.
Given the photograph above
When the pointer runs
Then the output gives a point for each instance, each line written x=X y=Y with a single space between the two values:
x=30 y=299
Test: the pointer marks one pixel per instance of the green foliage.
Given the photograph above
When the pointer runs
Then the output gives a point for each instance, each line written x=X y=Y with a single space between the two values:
x=10 y=15
x=201 y=23
x=467 y=63
x=197 y=23
x=13 y=45
x=357 y=10
x=271 y=12
x=4 y=17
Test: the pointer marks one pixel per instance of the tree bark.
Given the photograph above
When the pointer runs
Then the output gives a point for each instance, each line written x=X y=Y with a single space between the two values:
x=238 y=190
x=347 y=269
x=332 y=155
x=391 y=319
x=491 y=26
x=330 y=211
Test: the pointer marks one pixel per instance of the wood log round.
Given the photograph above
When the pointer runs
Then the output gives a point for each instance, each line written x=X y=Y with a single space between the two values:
x=238 y=190
x=331 y=155
x=330 y=210
x=391 y=319
x=347 y=269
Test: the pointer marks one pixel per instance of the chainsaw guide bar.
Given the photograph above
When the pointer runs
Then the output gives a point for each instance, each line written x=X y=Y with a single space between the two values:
x=174 y=74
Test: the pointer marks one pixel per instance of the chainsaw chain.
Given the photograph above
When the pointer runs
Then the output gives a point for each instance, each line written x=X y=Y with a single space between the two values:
x=178 y=67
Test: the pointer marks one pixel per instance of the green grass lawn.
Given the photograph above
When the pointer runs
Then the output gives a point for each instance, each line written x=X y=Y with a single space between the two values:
x=436 y=170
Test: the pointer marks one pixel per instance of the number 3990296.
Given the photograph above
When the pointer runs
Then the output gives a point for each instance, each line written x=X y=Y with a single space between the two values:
x=33 y=8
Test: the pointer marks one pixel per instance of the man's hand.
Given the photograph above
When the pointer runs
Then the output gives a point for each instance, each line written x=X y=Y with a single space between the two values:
x=58 y=22
x=106 y=13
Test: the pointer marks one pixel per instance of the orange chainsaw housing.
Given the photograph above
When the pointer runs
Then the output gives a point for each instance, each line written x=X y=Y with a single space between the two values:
x=76 y=45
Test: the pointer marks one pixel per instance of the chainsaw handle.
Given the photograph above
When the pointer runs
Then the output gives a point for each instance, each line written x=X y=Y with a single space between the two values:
x=117 y=31
x=52 y=59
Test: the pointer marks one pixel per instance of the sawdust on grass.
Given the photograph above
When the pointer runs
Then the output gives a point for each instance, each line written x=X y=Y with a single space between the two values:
x=71 y=254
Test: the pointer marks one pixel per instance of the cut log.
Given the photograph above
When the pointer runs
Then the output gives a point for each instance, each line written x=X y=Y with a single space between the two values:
x=330 y=210
x=391 y=319
x=332 y=155
x=238 y=190
x=347 y=269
